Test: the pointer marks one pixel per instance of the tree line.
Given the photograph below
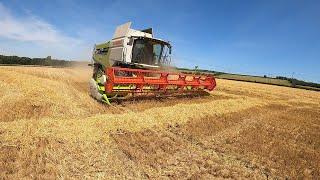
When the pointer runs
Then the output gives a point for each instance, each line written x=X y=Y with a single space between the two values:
x=16 y=60
x=295 y=82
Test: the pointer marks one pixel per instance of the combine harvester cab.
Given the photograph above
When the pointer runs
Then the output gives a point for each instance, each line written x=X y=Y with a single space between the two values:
x=134 y=62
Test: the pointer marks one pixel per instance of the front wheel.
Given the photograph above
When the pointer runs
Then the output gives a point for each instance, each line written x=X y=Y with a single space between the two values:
x=97 y=71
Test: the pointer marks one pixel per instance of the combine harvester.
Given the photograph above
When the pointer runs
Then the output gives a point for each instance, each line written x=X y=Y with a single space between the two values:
x=134 y=62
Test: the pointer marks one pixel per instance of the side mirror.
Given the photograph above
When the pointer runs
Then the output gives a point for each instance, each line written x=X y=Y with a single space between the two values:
x=170 y=49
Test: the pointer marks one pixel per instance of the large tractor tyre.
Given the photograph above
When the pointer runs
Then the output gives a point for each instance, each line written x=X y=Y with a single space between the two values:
x=98 y=72
x=94 y=91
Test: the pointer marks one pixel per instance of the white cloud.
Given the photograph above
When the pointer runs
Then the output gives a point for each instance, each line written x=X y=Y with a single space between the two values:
x=29 y=28
x=33 y=31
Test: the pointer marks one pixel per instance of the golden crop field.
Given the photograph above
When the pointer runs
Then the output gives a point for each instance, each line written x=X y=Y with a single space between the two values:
x=51 y=128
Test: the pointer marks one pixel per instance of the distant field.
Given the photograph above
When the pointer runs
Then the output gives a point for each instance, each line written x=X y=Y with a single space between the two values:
x=255 y=79
x=308 y=88
x=51 y=128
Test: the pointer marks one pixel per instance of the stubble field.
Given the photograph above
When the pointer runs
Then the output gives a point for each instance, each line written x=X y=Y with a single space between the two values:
x=51 y=128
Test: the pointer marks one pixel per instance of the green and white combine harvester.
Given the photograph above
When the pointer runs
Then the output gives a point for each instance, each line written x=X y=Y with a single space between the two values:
x=134 y=62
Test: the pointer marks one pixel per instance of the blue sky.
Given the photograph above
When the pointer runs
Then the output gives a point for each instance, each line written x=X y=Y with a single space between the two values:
x=280 y=37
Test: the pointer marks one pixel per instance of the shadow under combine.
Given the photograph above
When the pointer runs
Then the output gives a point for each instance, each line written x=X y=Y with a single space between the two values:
x=158 y=97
